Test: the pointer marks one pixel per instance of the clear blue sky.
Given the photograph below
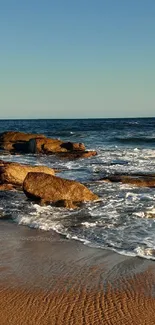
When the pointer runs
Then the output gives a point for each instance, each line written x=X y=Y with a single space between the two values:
x=77 y=58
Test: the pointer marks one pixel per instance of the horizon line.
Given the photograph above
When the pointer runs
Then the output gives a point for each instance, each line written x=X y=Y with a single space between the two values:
x=75 y=118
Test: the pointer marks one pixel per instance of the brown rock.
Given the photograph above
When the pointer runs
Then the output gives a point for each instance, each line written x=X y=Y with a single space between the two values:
x=48 y=188
x=143 y=180
x=52 y=146
x=40 y=145
x=14 y=173
x=71 y=146
x=16 y=141
x=13 y=136
x=6 y=187
x=8 y=146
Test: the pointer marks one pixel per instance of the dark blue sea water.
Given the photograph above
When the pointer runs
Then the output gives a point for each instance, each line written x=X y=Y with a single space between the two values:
x=120 y=221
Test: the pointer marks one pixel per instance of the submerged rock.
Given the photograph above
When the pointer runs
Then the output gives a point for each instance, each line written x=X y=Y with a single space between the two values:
x=76 y=154
x=15 y=173
x=62 y=192
x=150 y=213
x=137 y=180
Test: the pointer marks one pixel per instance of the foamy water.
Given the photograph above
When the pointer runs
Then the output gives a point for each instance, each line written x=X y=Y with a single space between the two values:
x=124 y=218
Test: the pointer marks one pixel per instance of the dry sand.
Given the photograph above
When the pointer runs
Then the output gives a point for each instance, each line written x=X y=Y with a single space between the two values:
x=46 y=279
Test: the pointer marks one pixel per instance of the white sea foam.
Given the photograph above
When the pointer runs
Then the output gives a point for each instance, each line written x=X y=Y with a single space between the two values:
x=148 y=253
x=120 y=221
x=88 y=224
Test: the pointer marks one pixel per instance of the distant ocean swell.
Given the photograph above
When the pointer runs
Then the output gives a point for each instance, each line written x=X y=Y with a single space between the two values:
x=135 y=140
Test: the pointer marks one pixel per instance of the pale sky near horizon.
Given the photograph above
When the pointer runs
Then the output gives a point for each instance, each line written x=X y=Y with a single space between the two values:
x=74 y=59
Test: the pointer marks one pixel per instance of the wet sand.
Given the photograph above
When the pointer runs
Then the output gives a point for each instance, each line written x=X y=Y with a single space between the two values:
x=46 y=279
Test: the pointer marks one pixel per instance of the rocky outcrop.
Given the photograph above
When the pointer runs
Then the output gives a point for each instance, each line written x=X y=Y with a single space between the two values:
x=70 y=146
x=61 y=192
x=15 y=173
x=14 y=136
x=45 y=145
x=137 y=180
x=16 y=141
x=38 y=143
x=51 y=146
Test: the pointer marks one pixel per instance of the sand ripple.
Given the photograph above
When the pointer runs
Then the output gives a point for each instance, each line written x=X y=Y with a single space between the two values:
x=59 y=282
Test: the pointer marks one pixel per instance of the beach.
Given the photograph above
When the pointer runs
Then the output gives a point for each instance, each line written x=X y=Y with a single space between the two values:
x=90 y=264
x=77 y=163
x=47 y=279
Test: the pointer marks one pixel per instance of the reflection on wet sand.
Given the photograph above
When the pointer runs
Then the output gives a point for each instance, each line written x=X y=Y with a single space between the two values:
x=46 y=279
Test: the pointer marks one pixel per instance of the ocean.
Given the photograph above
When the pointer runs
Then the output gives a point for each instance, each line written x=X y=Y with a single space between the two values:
x=119 y=221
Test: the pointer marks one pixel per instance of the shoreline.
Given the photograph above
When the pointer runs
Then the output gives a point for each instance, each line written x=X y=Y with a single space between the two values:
x=47 y=279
